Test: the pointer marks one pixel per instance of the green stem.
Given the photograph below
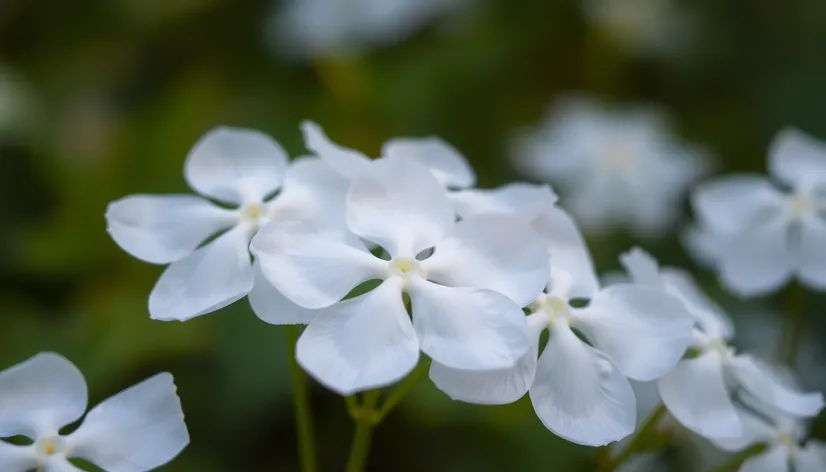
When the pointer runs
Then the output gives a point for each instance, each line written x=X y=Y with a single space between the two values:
x=793 y=328
x=638 y=442
x=301 y=403
x=366 y=419
x=403 y=389
x=734 y=464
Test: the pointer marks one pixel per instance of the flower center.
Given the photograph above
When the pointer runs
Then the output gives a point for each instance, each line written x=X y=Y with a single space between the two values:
x=251 y=211
x=406 y=268
x=618 y=155
x=555 y=306
x=49 y=446
x=799 y=205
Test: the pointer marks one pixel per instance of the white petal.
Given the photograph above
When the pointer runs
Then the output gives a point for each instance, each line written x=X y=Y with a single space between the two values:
x=495 y=387
x=164 y=228
x=17 y=458
x=568 y=250
x=797 y=159
x=235 y=165
x=137 y=430
x=348 y=162
x=812 y=257
x=520 y=199
x=313 y=265
x=696 y=395
x=759 y=380
x=467 y=328
x=207 y=280
x=59 y=464
x=775 y=459
x=312 y=190
x=811 y=457
x=581 y=395
x=710 y=317
x=40 y=395
x=399 y=205
x=760 y=261
x=272 y=306
x=645 y=331
x=705 y=245
x=449 y=167
x=642 y=267
x=495 y=252
x=755 y=431
x=362 y=343
x=730 y=204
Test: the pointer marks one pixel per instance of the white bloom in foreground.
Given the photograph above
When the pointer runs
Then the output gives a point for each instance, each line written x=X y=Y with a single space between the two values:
x=449 y=167
x=758 y=235
x=242 y=168
x=788 y=447
x=312 y=28
x=698 y=392
x=615 y=168
x=466 y=294
x=580 y=390
x=137 y=430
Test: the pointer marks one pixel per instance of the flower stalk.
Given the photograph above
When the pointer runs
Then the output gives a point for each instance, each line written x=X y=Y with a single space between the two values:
x=301 y=403
x=793 y=327
x=646 y=434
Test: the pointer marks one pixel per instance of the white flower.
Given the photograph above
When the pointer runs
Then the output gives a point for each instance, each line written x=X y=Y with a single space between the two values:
x=787 y=446
x=137 y=430
x=615 y=168
x=449 y=167
x=313 y=28
x=698 y=392
x=242 y=168
x=466 y=293
x=580 y=390
x=757 y=234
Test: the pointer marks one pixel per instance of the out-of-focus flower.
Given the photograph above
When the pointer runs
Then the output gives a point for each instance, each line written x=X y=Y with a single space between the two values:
x=242 y=168
x=699 y=391
x=759 y=234
x=312 y=28
x=467 y=281
x=580 y=390
x=137 y=430
x=788 y=446
x=614 y=167
x=647 y=27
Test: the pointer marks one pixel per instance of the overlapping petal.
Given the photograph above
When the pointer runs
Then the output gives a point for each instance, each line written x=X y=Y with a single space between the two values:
x=775 y=459
x=59 y=464
x=797 y=159
x=495 y=252
x=642 y=268
x=164 y=228
x=312 y=264
x=17 y=458
x=348 y=162
x=496 y=387
x=312 y=190
x=362 y=343
x=272 y=306
x=730 y=205
x=643 y=330
x=760 y=381
x=696 y=395
x=399 y=205
x=235 y=165
x=811 y=457
x=207 y=280
x=811 y=260
x=41 y=395
x=449 y=167
x=138 y=429
x=760 y=261
x=467 y=328
x=579 y=394
x=755 y=430
x=710 y=317
x=526 y=201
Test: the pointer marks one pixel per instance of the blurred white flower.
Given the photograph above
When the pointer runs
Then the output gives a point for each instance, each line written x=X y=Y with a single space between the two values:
x=698 y=392
x=580 y=390
x=616 y=168
x=788 y=447
x=137 y=430
x=759 y=234
x=313 y=28
x=466 y=294
x=242 y=168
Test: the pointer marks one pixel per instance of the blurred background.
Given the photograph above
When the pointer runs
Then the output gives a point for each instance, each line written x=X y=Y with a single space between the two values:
x=103 y=98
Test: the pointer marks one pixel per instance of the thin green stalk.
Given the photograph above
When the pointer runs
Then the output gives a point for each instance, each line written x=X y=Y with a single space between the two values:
x=403 y=389
x=301 y=403
x=734 y=464
x=366 y=420
x=793 y=327
x=638 y=442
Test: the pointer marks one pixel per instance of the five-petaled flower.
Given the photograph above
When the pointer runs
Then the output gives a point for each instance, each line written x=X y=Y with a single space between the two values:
x=757 y=234
x=137 y=430
x=242 y=168
x=467 y=281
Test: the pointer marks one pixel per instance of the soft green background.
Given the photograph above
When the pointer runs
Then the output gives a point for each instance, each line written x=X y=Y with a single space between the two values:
x=116 y=91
